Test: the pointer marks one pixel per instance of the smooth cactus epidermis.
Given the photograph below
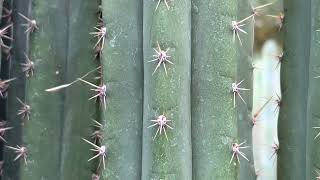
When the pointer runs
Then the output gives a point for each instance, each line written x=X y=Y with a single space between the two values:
x=294 y=86
x=222 y=38
x=122 y=62
x=266 y=93
x=313 y=126
x=167 y=41
x=78 y=110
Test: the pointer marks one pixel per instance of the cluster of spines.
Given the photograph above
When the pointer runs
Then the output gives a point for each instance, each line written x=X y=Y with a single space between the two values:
x=236 y=27
x=161 y=57
x=26 y=68
x=100 y=96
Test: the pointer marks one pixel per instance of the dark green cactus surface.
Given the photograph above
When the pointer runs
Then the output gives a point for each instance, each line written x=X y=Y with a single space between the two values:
x=123 y=74
x=159 y=90
x=294 y=84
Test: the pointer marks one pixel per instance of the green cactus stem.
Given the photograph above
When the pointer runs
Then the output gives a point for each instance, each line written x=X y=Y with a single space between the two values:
x=167 y=29
x=57 y=121
x=17 y=89
x=266 y=93
x=245 y=68
x=313 y=143
x=41 y=134
x=214 y=119
x=78 y=110
x=294 y=87
x=122 y=61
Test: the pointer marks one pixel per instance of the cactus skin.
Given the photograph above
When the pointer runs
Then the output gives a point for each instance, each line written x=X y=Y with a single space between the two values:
x=294 y=85
x=313 y=145
x=264 y=133
x=41 y=134
x=17 y=89
x=78 y=110
x=168 y=95
x=215 y=123
x=58 y=57
x=3 y=23
x=4 y=66
x=123 y=74
x=245 y=71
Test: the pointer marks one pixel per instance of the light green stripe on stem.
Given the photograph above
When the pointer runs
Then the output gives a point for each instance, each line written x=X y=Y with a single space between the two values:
x=122 y=61
x=167 y=94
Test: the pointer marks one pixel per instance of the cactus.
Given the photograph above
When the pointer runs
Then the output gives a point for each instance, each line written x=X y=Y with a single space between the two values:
x=265 y=111
x=313 y=146
x=294 y=85
x=77 y=109
x=167 y=90
x=41 y=131
x=178 y=95
x=123 y=75
x=56 y=58
x=212 y=102
x=245 y=69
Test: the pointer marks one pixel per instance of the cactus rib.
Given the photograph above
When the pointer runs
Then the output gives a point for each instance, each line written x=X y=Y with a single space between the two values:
x=167 y=91
x=121 y=59
x=294 y=86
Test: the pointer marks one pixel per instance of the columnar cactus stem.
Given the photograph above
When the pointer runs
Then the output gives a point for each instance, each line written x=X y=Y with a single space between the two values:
x=167 y=91
x=41 y=135
x=17 y=88
x=294 y=85
x=54 y=33
x=6 y=33
x=78 y=110
x=313 y=140
x=245 y=69
x=122 y=61
x=264 y=133
x=215 y=60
